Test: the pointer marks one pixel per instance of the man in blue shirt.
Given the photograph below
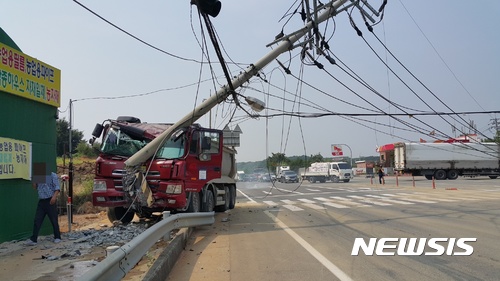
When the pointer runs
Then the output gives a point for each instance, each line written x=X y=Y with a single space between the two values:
x=47 y=199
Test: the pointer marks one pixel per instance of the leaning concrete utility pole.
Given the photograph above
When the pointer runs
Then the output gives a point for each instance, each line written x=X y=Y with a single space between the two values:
x=285 y=44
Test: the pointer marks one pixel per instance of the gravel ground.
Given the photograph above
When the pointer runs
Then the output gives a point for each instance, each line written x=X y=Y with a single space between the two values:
x=78 y=251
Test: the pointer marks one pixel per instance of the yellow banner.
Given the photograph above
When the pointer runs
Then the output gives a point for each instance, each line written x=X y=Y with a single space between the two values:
x=30 y=78
x=15 y=159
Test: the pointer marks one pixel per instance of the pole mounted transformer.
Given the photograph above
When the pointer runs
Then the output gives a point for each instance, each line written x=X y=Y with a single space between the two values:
x=209 y=7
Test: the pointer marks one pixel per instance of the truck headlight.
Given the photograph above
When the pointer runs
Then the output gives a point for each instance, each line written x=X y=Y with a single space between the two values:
x=174 y=189
x=99 y=185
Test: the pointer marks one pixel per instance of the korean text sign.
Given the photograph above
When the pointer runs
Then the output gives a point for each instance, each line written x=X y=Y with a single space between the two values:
x=30 y=78
x=15 y=159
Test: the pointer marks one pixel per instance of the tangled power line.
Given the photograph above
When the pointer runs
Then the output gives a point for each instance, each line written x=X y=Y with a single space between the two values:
x=316 y=54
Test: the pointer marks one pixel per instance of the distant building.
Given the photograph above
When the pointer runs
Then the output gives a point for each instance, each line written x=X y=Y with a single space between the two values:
x=386 y=155
x=363 y=167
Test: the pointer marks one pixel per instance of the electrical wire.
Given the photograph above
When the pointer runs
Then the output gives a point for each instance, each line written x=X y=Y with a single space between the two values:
x=440 y=57
x=133 y=36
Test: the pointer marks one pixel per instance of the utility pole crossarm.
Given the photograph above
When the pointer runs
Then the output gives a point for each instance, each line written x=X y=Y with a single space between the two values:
x=285 y=45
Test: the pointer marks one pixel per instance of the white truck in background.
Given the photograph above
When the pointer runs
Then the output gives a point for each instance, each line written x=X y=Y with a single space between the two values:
x=279 y=169
x=323 y=171
x=448 y=160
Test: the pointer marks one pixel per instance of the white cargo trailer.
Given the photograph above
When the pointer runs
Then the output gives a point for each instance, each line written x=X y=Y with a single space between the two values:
x=447 y=160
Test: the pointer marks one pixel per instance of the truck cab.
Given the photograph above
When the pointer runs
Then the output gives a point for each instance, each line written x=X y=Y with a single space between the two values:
x=192 y=171
x=340 y=171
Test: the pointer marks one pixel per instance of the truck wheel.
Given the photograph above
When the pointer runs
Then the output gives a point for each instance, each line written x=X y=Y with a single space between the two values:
x=209 y=204
x=232 y=192
x=120 y=214
x=493 y=177
x=347 y=180
x=429 y=177
x=452 y=174
x=334 y=179
x=312 y=179
x=440 y=175
x=194 y=203
x=227 y=199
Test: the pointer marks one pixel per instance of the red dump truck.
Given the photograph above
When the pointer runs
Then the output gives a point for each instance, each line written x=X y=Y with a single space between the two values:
x=192 y=171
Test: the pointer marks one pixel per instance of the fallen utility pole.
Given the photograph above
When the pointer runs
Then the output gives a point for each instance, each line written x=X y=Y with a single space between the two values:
x=285 y=44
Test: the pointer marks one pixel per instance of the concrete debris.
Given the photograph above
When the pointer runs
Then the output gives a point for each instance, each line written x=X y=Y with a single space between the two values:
x=79 y=243
x=117 y=235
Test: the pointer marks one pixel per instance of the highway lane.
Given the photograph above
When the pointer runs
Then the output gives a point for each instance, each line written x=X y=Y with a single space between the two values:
x=310 y=229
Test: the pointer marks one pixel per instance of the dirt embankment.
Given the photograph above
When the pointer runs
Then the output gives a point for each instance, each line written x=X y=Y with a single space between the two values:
x=83 y=177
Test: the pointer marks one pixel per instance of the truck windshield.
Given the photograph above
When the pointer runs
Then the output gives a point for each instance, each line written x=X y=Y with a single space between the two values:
x=172 y=148
x=117 y=142
x=344 y=166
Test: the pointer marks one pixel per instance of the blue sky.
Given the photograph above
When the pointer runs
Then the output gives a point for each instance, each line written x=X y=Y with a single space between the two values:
x=450 y=46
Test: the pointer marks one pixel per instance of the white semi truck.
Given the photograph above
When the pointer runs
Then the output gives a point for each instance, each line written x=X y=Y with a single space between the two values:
x=323 y=171
x=448 y=160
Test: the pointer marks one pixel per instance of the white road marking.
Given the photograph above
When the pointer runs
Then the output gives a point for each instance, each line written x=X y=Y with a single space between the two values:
x=288 y=191
x=293 y=208
x=418 y=200
x=369 y=201
x=335 y=270
x=271 y=203
x=344 y=201
x=248 y=197
x=391 y=200
x=335 y=205
x=313 y=206
x=306 y=201
x=329 y=202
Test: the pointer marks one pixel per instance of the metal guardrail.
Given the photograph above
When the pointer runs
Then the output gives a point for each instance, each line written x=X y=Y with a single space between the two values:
x=120 y=262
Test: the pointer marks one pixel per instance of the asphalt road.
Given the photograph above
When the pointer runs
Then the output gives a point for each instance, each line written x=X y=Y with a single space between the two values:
x=307 y=232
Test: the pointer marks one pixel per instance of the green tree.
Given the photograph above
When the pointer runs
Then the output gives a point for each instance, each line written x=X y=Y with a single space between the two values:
x=275 y=160
x=298 y=162
x=87 y=150
x=62 y=130
x=316 y=158
x=496 y=138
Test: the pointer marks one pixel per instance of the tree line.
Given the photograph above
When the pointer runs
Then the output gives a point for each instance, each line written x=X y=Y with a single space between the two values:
x=294 y=162
x=79 y=146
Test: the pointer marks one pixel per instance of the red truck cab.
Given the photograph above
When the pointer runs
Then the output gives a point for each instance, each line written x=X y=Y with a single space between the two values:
x=191 y=171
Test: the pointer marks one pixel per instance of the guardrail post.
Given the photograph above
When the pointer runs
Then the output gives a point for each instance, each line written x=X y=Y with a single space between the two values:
x=166 y=214
x=111 y=249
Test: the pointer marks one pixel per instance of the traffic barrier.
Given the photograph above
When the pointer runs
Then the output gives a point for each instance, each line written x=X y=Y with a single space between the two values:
x=120 y=262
